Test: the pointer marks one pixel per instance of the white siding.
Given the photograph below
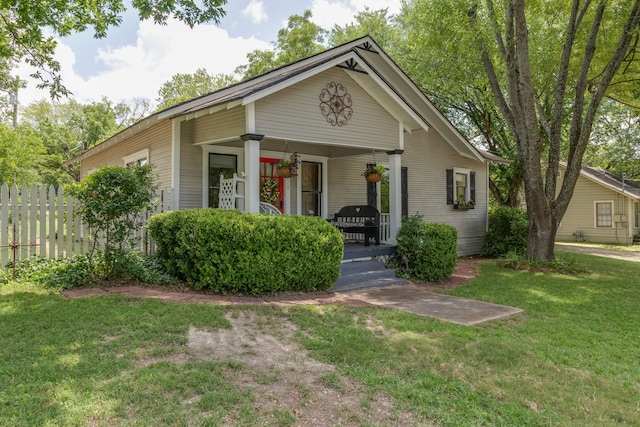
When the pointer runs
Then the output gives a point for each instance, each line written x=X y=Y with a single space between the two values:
x=156 y=139
x=294 y=113
x=427 y=157
x=190 y=169
x=221 y=125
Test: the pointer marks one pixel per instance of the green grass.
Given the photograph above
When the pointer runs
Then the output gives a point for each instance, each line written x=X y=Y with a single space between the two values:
x=571 y=359
x=610 y=246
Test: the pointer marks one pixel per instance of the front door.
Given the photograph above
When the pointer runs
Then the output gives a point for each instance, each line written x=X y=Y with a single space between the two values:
x=271 y=185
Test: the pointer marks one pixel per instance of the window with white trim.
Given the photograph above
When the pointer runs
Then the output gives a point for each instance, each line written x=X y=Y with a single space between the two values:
x=138 y=158
x=461 y=186
x=604 y=214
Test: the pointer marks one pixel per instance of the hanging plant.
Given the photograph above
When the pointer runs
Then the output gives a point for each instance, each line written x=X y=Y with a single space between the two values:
x=270 y=193
x=373 y=173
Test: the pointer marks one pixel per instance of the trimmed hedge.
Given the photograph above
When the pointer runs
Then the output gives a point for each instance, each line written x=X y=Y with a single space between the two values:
x=228 y=251
x=508 y=232
x=425 y=251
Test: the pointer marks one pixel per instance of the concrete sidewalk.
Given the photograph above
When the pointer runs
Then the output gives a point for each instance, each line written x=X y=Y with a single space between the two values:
x=443 y=307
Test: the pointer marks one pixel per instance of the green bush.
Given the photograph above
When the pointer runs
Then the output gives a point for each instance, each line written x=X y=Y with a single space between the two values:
x=109 y=203
x=69 y=273
x=425 y=251
x=234 y=252
x=508 y=231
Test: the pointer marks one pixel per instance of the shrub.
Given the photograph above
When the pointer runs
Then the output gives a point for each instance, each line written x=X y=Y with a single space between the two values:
x=69 y=273
x=234 y=252
x=55 y=275
x=508 y=231
x=425 y=251
x=109 y=201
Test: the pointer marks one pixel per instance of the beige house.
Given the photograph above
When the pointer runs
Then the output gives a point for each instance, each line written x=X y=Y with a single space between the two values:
x=603 y=209
x=338 y=111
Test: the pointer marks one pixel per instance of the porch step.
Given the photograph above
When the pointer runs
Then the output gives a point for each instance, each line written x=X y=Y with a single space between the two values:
x=365 y=274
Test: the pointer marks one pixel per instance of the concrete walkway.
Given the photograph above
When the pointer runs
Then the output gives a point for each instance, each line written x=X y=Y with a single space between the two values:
x=598 y=251
x=443 y=307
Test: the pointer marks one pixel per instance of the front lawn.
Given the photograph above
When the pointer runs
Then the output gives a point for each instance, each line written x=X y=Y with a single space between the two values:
x=572 y=358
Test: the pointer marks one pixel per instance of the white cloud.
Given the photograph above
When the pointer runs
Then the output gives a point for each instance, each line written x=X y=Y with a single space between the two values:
x=255 y=10
x=328 y=13
x=139 y=69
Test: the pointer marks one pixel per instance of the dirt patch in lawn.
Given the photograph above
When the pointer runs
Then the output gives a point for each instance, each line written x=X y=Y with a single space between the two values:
x=282 y=376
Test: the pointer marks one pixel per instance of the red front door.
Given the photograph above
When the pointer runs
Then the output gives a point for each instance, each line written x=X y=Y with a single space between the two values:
x=268 y=171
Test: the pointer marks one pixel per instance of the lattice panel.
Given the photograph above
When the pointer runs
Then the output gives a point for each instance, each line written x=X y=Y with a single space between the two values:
x=228 y=192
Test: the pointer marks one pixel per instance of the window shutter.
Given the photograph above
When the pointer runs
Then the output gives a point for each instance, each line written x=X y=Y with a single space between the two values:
x=404 y=184
x=449 y=186
x=472 y=186
x=372 y=191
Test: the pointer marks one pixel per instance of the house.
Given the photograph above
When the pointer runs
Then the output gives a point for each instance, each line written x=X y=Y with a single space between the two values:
x=604 y=208
x=338 y=111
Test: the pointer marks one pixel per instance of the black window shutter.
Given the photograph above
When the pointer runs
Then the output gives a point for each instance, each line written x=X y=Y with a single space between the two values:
x=449 y=186
x=472 y=186
x=372 y=191
x=404 y=184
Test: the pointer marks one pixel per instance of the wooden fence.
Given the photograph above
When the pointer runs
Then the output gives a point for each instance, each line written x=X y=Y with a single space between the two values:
x=40 y=221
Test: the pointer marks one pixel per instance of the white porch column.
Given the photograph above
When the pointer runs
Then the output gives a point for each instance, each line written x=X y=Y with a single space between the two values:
x=395 y=193
x=252 y=171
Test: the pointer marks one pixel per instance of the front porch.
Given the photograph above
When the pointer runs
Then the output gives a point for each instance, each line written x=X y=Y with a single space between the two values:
x=325 y=179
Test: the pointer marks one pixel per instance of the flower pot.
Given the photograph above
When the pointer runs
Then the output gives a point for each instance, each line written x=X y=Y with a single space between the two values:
x=373 y=177
x=284 y=172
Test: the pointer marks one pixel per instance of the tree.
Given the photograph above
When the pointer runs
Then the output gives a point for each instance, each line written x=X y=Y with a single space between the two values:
x=616 y=140
x=300 y=38
x=538 y=118
x=26 y=27
x=439 y=54
x=182 y=87
x=375 y=23
x=21 y=151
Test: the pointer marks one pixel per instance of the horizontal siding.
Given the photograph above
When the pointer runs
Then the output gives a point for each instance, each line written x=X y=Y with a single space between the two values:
x=294 y=113
x=580 y=215
x=346 y=185
x=221 y=125
x=427 y=157
x=190 y=169
x=156 y=139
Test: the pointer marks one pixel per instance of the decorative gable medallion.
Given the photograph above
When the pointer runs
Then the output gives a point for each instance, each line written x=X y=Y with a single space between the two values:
x=335 y=104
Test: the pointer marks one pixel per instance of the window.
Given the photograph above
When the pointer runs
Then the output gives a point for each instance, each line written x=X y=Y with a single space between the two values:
x=311 y=188
x=604 y=214
x=382 y=202
x=219 y=164
x=461 y=186
x=139 y=158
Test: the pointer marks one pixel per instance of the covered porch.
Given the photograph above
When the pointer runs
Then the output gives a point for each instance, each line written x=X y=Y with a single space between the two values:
x=324 y=179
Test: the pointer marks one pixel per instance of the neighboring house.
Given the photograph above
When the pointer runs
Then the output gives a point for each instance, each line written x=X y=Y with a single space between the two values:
x=604 y=209
x=338 y=110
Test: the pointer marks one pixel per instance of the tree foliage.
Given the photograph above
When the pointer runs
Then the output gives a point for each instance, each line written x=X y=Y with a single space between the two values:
x=183 y=87
x=299 y=39
x=26 y=27
x=21 y=151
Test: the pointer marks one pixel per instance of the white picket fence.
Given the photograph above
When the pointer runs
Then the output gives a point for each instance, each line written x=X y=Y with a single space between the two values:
x=40 y=221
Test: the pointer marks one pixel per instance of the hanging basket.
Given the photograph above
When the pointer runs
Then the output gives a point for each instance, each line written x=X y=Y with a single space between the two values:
x=284 y=172
x=373 y=177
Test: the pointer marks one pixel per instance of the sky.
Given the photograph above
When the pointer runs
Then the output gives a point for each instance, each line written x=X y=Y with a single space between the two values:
x=136 y=58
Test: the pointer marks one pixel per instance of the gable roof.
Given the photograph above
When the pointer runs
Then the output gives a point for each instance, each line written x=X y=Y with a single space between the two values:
x=613 y=182
x=372 y=69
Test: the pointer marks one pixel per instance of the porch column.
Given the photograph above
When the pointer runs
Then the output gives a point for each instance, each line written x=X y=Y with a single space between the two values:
x=395 y=193
x=252 y=171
